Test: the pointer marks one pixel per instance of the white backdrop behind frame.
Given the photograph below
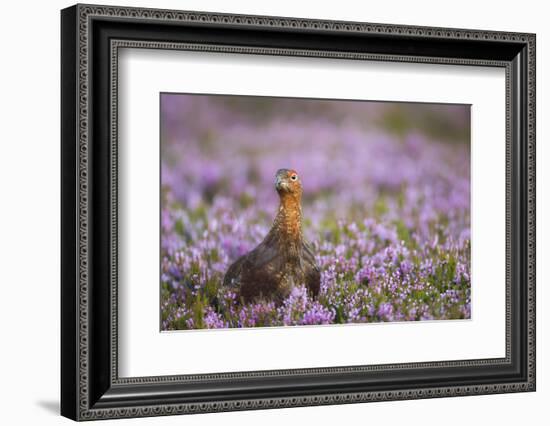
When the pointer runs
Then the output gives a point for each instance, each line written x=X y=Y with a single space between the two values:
x=145 y=351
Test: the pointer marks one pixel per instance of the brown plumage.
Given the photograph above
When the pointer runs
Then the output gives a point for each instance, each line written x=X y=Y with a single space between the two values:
x=283 y=259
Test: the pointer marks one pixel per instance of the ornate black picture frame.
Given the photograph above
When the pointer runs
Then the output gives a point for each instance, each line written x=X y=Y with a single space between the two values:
x=90 y=38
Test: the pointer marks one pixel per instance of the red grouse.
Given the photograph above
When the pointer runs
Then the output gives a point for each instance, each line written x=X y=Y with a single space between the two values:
x=283 y=260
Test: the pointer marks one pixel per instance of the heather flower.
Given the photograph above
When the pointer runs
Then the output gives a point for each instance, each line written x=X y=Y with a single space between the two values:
x=212 y=319
x=317 y=314
x=385 y=311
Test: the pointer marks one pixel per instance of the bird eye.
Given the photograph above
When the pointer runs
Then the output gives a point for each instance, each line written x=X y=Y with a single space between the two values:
x=293 y=177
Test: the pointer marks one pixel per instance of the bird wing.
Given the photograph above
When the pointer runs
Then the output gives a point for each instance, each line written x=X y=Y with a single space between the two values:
x=261 y=272
x=262 y=255
x=254 y=260
x=233 y=274
x=308 y=256
x=312 y=273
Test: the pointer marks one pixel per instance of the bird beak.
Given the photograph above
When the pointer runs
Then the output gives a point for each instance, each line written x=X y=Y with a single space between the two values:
x=280 y=183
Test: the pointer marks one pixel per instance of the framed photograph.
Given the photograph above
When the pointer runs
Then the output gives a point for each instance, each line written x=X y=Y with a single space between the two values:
x=263 y=212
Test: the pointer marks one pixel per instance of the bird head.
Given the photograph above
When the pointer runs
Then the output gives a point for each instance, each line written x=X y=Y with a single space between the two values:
x=287 y=181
